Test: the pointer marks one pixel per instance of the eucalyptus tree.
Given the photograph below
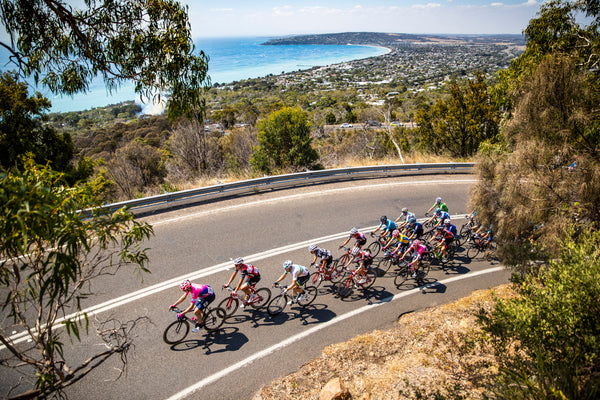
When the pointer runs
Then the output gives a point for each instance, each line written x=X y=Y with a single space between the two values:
x=65 y=47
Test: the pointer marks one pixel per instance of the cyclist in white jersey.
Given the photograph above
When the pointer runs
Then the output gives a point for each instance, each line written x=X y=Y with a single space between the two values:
x=300 y=276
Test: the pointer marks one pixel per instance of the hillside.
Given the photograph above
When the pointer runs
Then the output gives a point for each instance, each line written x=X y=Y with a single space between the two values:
x=395 y=39
x=429 y=354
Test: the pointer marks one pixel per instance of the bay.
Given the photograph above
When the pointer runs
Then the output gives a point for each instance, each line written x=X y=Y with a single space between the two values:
x=230 y=59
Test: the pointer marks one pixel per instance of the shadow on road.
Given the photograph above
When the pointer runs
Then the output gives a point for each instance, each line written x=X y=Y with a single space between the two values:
x=224 y=340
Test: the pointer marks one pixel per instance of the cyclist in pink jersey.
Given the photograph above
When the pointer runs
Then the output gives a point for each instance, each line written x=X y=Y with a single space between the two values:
x=418 y=250
x=202 y=296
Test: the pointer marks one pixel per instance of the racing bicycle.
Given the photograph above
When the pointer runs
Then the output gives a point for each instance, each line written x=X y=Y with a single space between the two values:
x=258 y=299
x=177 y=330
x=279 y=302
x=406 y=272
x=351 y=280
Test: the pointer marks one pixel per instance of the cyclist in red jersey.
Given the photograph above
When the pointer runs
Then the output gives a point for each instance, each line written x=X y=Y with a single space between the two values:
x=251 y=275
x=360 y=237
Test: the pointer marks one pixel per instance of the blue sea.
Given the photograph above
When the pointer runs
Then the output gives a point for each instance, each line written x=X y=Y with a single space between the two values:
x=230 y=59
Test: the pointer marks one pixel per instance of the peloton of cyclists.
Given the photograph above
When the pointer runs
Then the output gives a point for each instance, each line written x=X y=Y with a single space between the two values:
x=251 y=275
x=202 y=296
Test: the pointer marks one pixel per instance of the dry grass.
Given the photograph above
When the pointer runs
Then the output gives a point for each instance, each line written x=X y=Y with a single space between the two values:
x=429 y=353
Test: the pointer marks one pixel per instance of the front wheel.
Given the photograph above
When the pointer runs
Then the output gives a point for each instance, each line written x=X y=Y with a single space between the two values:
x=214 y=319
x=374 y=248
x=310 y=294
x=473 y=251
x=371 y=275
x=264 y=295
x=317 y=278
x=385 y=265
x=345 y=287
x=176 y=331
x=277 y=304
x=402 y=275
x=230 y=305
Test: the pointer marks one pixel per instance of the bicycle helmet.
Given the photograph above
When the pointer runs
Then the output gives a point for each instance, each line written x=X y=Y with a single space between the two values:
x=447 y=221
x=287 y=264
x=416 y=242
x=238 y=261
x=383 y=219
x=438 y=211
x=404 y=210
x=354 y=231
x=355 y=251
x=412 y=221
x=438 y=200
x=312 y=248
x=396 y=233
x=185 y=285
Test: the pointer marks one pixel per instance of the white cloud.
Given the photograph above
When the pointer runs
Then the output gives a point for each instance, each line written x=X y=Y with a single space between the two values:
x=427 y=6
x=497 y=4
x=221 y=10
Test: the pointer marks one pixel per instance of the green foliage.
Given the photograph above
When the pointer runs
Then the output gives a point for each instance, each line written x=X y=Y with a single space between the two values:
x=149 y=42
x=458 y=124
x=548 y=338
x=49 y=254
x=284 y=141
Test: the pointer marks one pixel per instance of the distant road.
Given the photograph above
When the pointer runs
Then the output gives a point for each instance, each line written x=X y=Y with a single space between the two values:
x=265 y=229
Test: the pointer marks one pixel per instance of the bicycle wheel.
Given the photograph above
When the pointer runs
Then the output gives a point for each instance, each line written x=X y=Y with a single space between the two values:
x=317 y=278
x=214 y=319
x=473 y=251
x=423 y=270
x=402 y=275
x=345 y=286
x=310 y=293
x=230 y=305
x=176 y=331
x=337 y=273
x=371 y=276
x=374 y=248
x=277 y=304
x=385 y=265
x=264 y=295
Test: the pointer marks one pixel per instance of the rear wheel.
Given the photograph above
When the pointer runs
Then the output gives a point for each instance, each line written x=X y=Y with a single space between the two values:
x=230 y=305
x=473 y=251
x=310 y=294
x=371 y=276
x=385 y=265
x=337 y=272
x=277 y=304
x=345 y=287
x=317 y=278
x=264 y=297
x=402 y=275
x=176 y=331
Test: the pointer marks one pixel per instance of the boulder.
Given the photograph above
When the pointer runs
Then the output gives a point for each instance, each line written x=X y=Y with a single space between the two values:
x=334 y=390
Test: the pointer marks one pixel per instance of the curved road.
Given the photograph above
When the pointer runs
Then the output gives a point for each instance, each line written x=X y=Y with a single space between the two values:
x=265 y=229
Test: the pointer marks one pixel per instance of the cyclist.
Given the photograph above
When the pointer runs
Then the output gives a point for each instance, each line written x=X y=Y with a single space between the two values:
x=418 y=250
x=403 y=218
x=325 y=256
x=300 y=275
x=251 y=275
x=360 y=237
x=364 y=259
x=386 y=225
x=202 y=296
x=402 y=242
x=440 y=215
x=445 y=238
x=414 y=229
x=438 y=204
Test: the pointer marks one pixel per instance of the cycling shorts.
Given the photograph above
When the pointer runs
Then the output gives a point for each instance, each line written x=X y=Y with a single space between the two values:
x=361 y=241
x=252 y=280
x=203 y=302
x=301 y=280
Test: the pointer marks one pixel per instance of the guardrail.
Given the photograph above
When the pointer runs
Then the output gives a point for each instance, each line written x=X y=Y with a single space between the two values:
x=253 y=186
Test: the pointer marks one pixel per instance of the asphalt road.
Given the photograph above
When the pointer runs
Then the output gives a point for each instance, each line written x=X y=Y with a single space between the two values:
x=265 y=229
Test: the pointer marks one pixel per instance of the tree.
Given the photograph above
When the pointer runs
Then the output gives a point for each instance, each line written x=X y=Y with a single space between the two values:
x=546 y=338
x=458 y=124
x=50 y=253
x=284 y=141
x=526 y=188
x=386 y=113
x=22 y=130
x=148 y=42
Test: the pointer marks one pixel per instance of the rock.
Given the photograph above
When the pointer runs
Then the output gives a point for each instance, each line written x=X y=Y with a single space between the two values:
x=334 y=390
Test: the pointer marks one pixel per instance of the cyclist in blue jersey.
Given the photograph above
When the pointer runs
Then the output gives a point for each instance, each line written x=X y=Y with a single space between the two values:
x=414 y=229
x=386 y=225
x=440 y=215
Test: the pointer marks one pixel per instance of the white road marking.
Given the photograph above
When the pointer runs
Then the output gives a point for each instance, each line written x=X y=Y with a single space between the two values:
x=305 y=333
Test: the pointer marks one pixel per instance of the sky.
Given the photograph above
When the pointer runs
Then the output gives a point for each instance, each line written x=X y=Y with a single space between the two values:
x=280 y=18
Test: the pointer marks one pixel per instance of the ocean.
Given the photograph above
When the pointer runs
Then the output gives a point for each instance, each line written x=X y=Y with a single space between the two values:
x=230 y=59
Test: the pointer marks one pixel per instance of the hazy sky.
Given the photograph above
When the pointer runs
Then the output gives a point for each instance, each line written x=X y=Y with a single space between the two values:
x=275 y=18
